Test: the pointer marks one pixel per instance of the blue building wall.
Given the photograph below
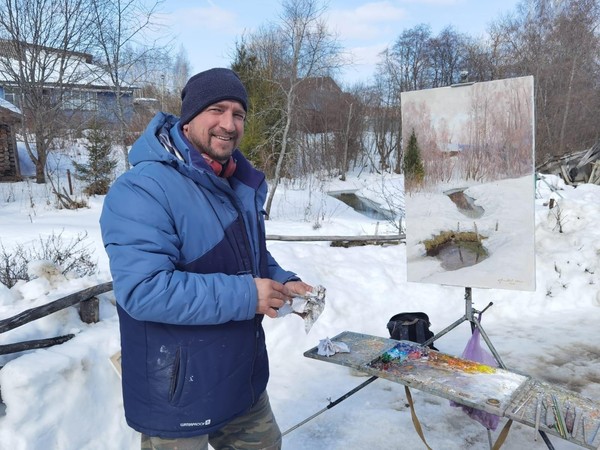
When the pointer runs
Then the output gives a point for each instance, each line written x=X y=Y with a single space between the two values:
x=107 y=106
x=103 y=109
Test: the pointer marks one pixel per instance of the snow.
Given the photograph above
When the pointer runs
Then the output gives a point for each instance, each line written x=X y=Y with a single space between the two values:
x=9 y=106
x=76 y=70
x=69 y=397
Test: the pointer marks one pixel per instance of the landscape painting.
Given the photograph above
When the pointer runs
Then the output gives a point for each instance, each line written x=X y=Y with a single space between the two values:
x=469 y=184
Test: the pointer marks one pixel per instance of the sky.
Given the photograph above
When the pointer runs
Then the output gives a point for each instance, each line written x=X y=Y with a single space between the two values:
x=68 y=397
x=209 y=29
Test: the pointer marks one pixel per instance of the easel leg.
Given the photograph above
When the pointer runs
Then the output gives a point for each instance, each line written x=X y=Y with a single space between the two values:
x=445 y=331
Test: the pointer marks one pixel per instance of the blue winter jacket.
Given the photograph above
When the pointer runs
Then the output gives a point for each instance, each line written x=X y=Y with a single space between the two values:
x=184 y=247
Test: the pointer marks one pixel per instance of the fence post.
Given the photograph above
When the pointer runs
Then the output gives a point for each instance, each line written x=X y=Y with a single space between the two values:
x=89 y=310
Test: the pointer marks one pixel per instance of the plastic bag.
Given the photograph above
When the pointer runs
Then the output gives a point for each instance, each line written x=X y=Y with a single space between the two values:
x=475 y=352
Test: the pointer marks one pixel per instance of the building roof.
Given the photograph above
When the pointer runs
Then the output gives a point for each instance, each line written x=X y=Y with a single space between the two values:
x=77 y=71
x=9 y=106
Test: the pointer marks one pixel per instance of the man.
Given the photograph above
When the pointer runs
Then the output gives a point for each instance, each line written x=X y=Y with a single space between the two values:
x=184 y=232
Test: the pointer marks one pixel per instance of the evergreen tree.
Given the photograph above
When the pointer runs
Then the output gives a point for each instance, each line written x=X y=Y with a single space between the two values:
x=264 y=109
x=413 y=164
x=98 y=172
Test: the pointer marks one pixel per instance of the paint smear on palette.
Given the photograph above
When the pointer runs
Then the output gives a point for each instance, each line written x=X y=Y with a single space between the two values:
x=404 y=351
x=398 y=356
x=466 y=382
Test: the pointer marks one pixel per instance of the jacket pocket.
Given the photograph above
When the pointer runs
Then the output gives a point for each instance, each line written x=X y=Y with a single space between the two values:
x=178 y=372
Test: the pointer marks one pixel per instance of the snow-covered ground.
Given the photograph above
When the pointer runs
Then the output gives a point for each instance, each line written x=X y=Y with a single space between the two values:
x=68 y=397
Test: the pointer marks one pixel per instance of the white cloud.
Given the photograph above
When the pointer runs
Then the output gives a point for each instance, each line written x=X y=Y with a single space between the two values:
x=369 y=21
x=368 y=55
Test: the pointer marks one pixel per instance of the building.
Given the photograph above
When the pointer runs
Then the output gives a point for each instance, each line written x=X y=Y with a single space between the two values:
x=322 y=105
x=81 y=90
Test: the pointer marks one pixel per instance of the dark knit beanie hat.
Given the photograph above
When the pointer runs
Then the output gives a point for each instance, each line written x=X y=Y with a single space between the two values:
x=208 y=87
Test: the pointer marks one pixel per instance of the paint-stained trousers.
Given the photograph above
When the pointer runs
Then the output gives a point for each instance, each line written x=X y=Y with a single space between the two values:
x=255 y=430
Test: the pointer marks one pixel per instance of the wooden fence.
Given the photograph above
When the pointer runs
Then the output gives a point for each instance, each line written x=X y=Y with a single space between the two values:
x=88 y=310
x=369 y=239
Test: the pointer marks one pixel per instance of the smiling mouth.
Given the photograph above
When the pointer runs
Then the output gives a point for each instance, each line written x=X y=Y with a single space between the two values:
x=224 y=138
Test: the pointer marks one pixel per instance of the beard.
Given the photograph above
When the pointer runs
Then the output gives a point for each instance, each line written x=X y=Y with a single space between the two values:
x=221 y=155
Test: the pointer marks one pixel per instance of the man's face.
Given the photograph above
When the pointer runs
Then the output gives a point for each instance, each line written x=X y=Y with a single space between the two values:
x=217 y=130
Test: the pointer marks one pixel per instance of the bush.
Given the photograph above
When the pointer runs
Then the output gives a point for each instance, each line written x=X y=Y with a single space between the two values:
x=73 y=256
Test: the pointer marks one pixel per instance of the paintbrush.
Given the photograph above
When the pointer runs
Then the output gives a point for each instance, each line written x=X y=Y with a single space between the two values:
x=560 y=422
x=538 y=413
x=569 y=419
x=523 y=404
x=578 y=417
x=549 y=413
x=593 y=436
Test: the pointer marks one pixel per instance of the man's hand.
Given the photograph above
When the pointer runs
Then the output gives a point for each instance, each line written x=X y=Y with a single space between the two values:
x=271 y=296
x=298 y=288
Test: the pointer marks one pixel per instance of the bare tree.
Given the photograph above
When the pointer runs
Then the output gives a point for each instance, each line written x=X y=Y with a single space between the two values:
x=385 y=121
x=417 y=60
x=126 y=50
x=300 y=46
x=385 y=112
x=181 y=70
x=346 y=143
x=180 y=74
x=446 y=54
x=326 y=123
x=164 y=83
x=41 y=58
x=410 y=53
x=558 y=43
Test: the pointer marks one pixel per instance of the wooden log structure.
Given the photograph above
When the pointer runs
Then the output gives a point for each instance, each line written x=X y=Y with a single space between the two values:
x=364 y=238
x=89 y=310
x=30 y=345
x=575 y=167
x=10 y=117
x=52 y=307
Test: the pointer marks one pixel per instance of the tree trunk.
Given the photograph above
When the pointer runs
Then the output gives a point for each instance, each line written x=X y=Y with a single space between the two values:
x=40 y=163
x=286 y=132
x=122 y=125
x=346 y=143
x=561 y=140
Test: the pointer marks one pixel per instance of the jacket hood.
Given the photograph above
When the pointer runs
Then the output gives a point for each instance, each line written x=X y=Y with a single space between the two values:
x=148 y=146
